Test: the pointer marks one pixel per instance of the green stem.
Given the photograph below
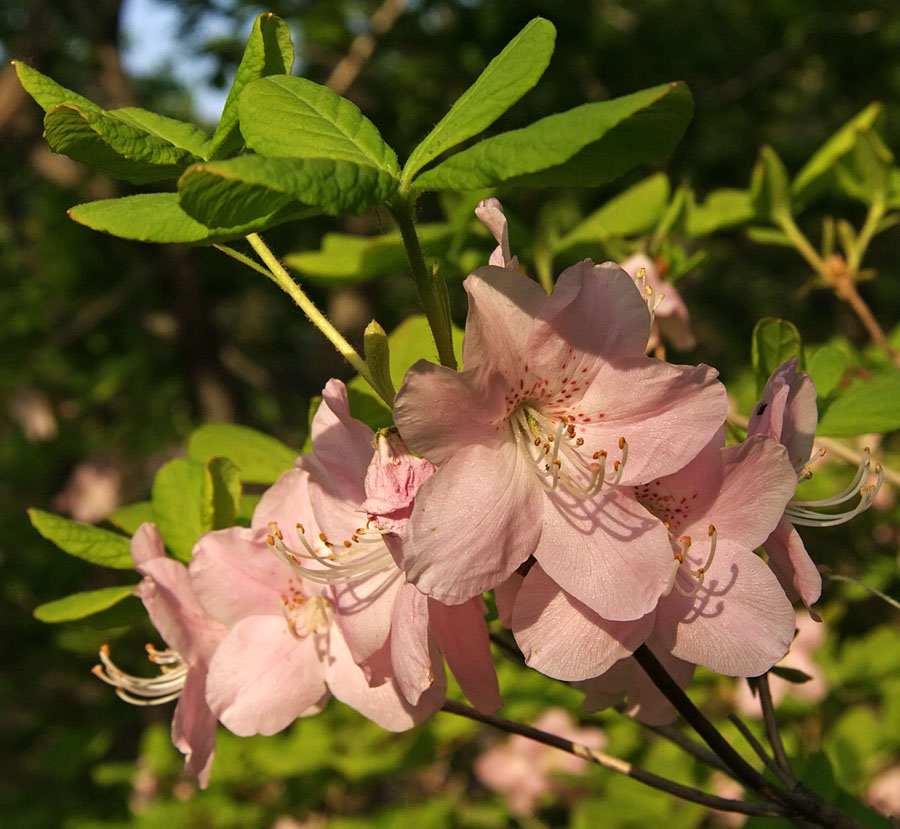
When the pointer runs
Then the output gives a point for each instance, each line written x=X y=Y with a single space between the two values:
x=873 y=218
x=280 y=276
x=436 y=311
x=786 y=222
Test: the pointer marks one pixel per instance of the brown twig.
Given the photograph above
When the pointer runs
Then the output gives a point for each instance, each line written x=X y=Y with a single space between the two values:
x=768 y=709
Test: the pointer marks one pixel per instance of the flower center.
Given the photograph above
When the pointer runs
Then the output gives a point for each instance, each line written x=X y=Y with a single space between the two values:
x=138 y=690
x=362 y=555
x=557 y=453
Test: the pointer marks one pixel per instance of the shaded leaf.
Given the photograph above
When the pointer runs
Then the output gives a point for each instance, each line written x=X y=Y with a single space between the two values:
x=794 y=675
x=284 y=116
x=722 y=209
x=503 y=82
x=826 y=367
x=269 y=51
x=770 y=194
x=583 y=147
x=158 y=217
x=260 y=458
x=251 y=188
x=774 y=341
x=80 y=605
x=188 y=137
x=84 y=541
x=870 y=405
x=226 y=492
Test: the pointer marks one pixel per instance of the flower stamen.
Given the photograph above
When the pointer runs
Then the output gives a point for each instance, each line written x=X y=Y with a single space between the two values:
x=137 y=690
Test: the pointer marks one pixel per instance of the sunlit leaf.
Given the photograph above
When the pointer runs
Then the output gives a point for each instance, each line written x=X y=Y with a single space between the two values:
x=261 y=459
x=98 y=546
x=868 y=405
x=774 y=341
x=80 y=605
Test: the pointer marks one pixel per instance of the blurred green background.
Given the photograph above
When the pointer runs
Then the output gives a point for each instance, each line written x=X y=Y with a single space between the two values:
x=114 y=351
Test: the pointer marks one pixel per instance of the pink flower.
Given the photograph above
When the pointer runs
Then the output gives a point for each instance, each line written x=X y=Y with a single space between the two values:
x=884 y=792
x=490 y=214
x=672 y=321
x=556 y=410
x=717 y=509
x=526 y=771
x=192 y=637
x=787 y=412
x=359 y=497
x=809 y=637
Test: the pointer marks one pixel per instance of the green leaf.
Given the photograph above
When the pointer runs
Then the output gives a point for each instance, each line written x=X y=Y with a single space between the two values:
x=158 y=217
x=817 y=177
x=79 y=605
x=770 y=195
x=47 y=92
x=868 y=405
x=411 y=341
x=774 y=341
x=793 y=675
x=182 y=495
x=102 y=140
x=269 y=51
x=503 y=82
x=284 y=116
x=632 y=212
x=188 y=137
x=261 y=459
x=583 y=147
x=84 y=541
x=826 y=367
x=864 y=172
x=131 y=516
x=722 y=209
x=239 y=191
x=226 y=492
x=769 y=236
x=343 y=258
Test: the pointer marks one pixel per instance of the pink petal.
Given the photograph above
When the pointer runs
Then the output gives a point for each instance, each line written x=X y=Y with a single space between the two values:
x=235 y=574
x=146 y=544
x=194 y=727
x=503 y=304
x=666 y=413
x=565 y=639
x=285 y=503
x=608 y=552
x=462 y=635
x=740 y=623
x=505 y=597
x=788 y=558
x=261 y=678
x=490 y=214
x=411 y=646
x=627 y=681
x=385 y=705
x=440 y=412
x=474 y=522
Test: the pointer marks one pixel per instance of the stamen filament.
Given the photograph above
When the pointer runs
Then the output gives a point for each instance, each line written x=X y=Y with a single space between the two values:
x=156 y=690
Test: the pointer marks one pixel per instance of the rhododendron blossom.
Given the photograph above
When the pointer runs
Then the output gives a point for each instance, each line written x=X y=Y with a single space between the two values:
x=717 y=509
x=556 y=410
x=192 y=636
x=787 y=412
x=358 y=498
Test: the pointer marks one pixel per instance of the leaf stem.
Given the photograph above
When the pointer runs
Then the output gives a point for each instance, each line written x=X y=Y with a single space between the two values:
x=279 y=275
x=435 y=306
x=768 y=709
x=612 y=763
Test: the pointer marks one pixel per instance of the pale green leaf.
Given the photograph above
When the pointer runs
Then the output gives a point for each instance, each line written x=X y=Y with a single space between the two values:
x=826 y=367
x=180 y=134
x=770 y=195
x=260 y=458
x=868 y=405
x=182 y=497
x=236 y=191
x=269 y=51
x=84 y=541
x=503 y=82
x=630 y=213
x=774 y=341
x=722 y=209
x=583 y=147
x=158 y=217
x=47 y=92
x=816 y=176
x=129 y=517
x=80 y=605
x=284 y=116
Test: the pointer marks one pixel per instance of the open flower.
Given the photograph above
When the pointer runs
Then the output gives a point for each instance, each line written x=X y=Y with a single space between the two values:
x=787 y=412
x=192 y=637
x=556 y=409
x=360 y=497
x=717 y=509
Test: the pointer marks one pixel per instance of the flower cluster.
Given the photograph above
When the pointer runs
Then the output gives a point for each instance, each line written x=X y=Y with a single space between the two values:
x=585 y=483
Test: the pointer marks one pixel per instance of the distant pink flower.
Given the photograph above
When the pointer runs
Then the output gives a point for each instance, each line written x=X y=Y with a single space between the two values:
x=526 y=771
x=360 y=497
x=672 y=321
x=809 y=638
x=717 y=510
x=787 y=412
x=557 y=409
x=192 y=637
x=884 y=792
